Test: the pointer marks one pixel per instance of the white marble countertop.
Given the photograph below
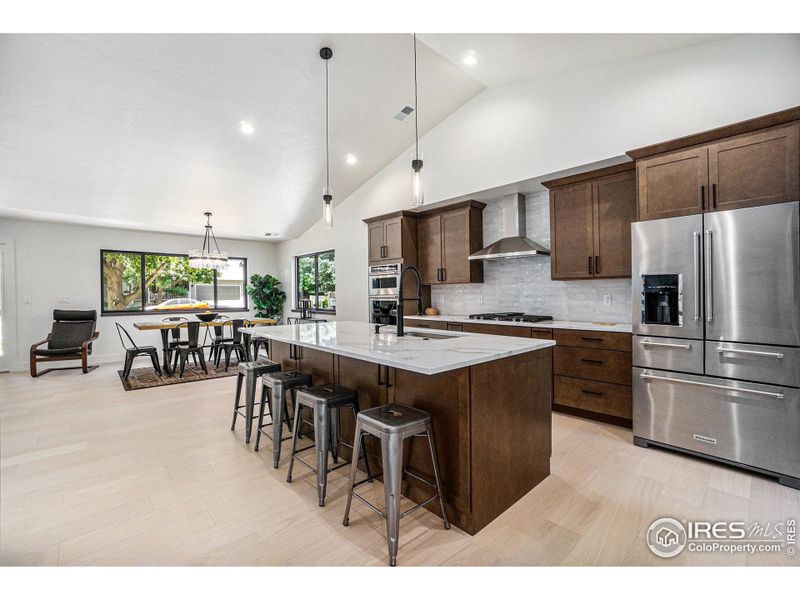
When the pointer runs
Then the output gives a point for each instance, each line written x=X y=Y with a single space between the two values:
x=583 y=325
x=428 y=356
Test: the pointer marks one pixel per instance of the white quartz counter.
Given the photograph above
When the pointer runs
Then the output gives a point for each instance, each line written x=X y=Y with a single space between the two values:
x=582 y=325
x=428 y=356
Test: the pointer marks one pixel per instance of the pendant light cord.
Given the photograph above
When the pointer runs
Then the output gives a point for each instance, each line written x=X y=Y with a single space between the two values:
x=416 y=103
x=327 y=143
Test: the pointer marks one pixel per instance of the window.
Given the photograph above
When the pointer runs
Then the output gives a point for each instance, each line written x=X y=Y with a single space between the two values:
x=145 y=282
x=315 y=278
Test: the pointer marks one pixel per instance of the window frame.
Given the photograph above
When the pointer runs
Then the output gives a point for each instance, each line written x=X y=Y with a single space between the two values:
x=142 y=310
x=297 y=296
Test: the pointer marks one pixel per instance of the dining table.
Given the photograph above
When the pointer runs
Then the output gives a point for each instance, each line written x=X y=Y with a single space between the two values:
x=164 y=327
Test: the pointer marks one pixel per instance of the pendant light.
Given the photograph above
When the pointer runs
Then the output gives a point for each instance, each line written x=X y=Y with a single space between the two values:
x=327 y=194
x=417 y=192
x=208 y=258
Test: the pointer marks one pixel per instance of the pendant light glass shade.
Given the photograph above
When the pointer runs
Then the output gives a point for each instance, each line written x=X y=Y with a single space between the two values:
x=417 y=189
x=206 y=258
x=327 y=208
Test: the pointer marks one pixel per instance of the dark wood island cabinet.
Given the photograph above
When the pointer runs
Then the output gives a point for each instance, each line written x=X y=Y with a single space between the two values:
x=492 y=421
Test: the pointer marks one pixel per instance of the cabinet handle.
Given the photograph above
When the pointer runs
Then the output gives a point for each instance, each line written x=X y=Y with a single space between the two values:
x=379 y=375
x=592 y=392
x=444 y=274
x=716 y=386
x=591 y=339
x=722 y=350
x=714 y=195
x=590 y=265
x=592 y=360
x=597 y=265
x=703 y=197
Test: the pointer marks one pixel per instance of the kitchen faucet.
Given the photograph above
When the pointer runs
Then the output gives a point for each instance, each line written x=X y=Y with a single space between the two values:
x=401 y=299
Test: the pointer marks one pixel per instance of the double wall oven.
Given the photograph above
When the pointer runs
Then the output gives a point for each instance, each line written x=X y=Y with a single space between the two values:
x=716 y=346
x=384 y=287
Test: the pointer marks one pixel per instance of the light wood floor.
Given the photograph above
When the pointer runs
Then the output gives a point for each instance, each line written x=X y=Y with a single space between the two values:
x=91 y=474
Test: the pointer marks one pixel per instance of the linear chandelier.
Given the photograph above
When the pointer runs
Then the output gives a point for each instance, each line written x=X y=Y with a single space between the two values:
x=208 y=258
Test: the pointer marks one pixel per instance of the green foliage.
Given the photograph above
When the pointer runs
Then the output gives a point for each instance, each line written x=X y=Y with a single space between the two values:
x=177 y=291
x=267 y=296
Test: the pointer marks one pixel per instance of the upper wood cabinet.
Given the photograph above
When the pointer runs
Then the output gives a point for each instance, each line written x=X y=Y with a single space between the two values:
x=755 y=169
x=392 y=238
x=446 y=238
x=614 y=209
x=746 y=164
x=590 y=221
x=571 y=232
x=673 y=185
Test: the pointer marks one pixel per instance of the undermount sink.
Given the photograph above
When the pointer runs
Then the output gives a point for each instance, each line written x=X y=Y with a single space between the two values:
x=428 y=336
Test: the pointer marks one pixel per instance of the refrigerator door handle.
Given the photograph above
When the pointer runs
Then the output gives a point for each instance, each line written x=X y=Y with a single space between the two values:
x=697 y=274
x=777 y=395
x=709 y=278
x=721 y=350
x=663 y=345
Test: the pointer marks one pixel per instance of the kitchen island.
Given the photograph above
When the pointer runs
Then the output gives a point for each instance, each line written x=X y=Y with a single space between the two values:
x=489 y=396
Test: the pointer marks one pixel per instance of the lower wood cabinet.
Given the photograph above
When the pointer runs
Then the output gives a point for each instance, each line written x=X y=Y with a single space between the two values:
x=491 y=329
x=593 y=396
x=592 y=373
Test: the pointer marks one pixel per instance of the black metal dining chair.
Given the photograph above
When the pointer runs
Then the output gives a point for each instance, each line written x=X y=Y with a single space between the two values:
x=236 y=344
x=192 y=348
x=132 y=351
x=217 y=335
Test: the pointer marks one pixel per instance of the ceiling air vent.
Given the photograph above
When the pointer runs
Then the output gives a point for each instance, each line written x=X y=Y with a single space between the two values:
x=404 y=112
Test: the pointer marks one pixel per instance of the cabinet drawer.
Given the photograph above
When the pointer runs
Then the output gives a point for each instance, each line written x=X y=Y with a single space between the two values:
x=767 y=364
x=425 y=324
x=508 y=330
x=606 y=398
x=542 y=334
x=603 y=340
x=599 y=365
x=669 y=354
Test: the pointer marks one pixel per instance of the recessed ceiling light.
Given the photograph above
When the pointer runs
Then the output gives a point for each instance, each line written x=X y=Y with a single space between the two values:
x=470 y=59
x=246 y=127
x=350 y=159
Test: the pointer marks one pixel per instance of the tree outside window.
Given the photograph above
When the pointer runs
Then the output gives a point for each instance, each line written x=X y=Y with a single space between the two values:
x=316 y=280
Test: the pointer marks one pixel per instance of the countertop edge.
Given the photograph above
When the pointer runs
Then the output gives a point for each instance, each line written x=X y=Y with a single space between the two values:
x=574 y=325
x=538 y=345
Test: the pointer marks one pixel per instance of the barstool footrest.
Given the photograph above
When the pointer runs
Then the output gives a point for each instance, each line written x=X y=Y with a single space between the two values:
x=330 y=469
x=369 y=504
x=418 y=478
x=420 y=505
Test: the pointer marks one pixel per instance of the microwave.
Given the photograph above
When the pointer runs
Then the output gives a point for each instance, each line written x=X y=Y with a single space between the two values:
x=384 y=280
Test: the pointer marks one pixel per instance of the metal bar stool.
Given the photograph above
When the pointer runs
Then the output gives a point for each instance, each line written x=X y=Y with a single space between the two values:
x=323 y=400
x=274 y=388
x=392 y=424
x=250 y=372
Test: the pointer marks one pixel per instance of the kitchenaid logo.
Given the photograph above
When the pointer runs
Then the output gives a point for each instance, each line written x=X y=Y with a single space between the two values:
x=704 y=438
x=668 y=537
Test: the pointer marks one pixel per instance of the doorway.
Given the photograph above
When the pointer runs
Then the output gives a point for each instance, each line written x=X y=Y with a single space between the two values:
x=7 y=324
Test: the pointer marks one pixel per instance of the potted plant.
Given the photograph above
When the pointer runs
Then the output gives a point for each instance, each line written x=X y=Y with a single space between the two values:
x=267 y=296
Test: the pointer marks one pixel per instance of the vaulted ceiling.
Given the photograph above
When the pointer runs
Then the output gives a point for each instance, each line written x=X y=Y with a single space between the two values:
x=143 y=131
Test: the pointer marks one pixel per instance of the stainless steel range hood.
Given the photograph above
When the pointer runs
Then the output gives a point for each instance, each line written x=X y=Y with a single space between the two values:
x=515 y=244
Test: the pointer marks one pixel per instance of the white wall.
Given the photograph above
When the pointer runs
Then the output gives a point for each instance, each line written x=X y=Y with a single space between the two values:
x=55 y=260
x=531 y=129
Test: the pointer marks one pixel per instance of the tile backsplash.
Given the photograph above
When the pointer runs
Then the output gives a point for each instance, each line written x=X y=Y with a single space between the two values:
x=524 y=284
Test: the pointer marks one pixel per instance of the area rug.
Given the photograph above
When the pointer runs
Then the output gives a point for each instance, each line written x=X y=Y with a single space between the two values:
x=146 y=377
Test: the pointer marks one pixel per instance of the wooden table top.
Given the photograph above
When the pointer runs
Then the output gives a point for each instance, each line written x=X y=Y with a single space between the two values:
x=157 y=325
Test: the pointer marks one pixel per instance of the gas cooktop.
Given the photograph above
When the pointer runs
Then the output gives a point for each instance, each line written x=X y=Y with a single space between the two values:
x=511 y=316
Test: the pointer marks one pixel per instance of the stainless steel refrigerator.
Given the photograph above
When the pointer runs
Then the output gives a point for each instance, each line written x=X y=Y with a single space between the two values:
x=716 y=346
